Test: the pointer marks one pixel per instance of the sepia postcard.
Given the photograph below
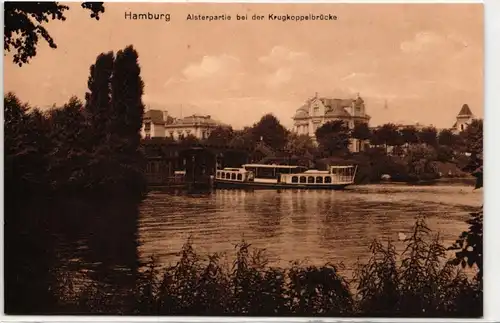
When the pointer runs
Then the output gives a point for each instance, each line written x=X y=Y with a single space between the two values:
x=243 y=159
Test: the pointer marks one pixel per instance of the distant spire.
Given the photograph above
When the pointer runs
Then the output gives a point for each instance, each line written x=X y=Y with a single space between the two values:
x=465 y=110
x=385 y=105
x=316 y=95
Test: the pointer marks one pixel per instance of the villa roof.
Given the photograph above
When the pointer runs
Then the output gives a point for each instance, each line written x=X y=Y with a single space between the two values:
x=197 y=120
x=465 y=111
x=336 y=107
x=154 y=116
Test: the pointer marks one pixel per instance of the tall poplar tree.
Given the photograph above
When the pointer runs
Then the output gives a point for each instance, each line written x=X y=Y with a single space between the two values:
x=98 y=98
x=127 y=88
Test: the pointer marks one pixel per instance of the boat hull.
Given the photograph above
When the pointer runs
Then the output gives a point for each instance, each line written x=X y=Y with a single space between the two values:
x=256 y=185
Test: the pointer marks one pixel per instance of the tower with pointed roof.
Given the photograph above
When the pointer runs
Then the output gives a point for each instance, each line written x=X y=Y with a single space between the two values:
x=464 y=118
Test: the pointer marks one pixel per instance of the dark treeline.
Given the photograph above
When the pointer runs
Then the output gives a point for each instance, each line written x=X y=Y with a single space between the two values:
x=80 y=147
x=83 y=152
x=405 y=154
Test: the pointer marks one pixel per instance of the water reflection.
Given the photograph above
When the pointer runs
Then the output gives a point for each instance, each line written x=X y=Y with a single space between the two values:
x=297 y=224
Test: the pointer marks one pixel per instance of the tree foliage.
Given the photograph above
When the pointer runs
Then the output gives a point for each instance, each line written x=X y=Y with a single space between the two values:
x=409 y=135
x=421 y=162
x=270 y=131
x=24 y=25
x=389 y=135
x=98 y=98
x=446 y=138
x=300 y=145
x=428 y=136
x=220 y=136
x=333 y=138
x=361 y=131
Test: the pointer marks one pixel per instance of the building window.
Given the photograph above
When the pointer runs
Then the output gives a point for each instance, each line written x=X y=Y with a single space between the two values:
x=147 y=126
x=319 y=179
x=462 y=127
x=148 y=136
x=223 y=175
x=302 y=179
x=310 y=179
x=328 y=179
x=295 y=179
x=240 y=177
x=233 y=176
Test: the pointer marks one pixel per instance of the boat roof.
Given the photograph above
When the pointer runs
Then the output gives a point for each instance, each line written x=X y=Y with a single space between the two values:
x=271 y=166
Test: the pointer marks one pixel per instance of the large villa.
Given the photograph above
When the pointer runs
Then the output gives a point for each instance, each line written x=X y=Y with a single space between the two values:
x=317 y=111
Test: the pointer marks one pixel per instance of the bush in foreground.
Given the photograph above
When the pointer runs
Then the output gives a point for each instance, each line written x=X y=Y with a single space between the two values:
x=417 y=282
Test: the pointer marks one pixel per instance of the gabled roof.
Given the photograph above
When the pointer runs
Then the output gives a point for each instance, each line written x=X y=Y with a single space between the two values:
x=336 y=108
x=154 y=116
x=465 y=111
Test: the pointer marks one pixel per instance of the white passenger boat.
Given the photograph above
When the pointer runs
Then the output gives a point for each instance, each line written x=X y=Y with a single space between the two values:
x=278 y=176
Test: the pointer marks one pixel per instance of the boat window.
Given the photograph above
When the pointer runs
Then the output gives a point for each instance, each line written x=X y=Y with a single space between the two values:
x=302 y=179
x=223 y=175
x=310 y=179
x=319 y=179
x=265 y=172
x=295 y=179
x=233 y=176
x=240 y=177
x=328 y=179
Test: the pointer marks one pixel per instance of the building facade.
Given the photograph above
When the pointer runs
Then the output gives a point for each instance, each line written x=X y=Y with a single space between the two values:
x=464 y=119
x=320 y=110
x=158 y=123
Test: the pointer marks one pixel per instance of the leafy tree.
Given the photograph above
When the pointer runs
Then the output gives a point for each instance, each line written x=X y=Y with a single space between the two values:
x=220 y=136
x=428 y=136
x=361 y=131
x=24 y=146
x=445 y=153
x=270 y=131
x=127 y=89
x=98 y=99
x=243 y=138
x=68 y=157
x=469 y=246
x=300 y=145
x=23 y=25
x=333 y=137
x=446 y=138
x=388 y=135
x=409 y=135
x=189 y=140
x=376 y=139
x=473 y=139
x=420 y=160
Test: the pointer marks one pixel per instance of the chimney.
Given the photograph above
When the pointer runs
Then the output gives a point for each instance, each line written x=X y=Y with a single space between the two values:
x=165 y=115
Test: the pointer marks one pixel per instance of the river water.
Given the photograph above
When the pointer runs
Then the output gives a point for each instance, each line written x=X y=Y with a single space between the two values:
x=313 y=225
